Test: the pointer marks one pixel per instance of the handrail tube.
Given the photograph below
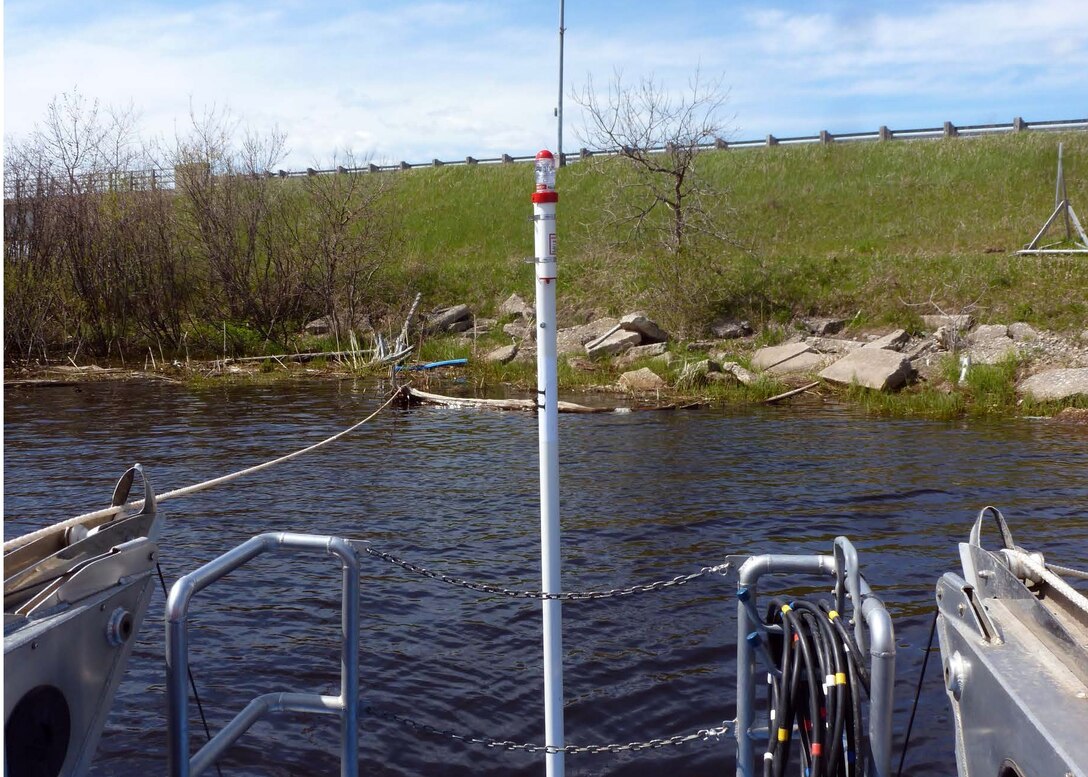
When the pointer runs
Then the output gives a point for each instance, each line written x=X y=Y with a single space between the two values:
x=747 y=577
x=254 y=711
x=882 y=682
x=850 y=574
x=177 y=656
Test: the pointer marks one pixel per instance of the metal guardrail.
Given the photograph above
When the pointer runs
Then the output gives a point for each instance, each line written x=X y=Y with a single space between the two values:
x=165 y=178
x=177 y=659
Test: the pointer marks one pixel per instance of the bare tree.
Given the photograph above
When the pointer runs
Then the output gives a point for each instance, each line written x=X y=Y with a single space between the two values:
x=244 y=224
x=660 y=191
x=74 y=162
x=39 y=308
x=352 y=232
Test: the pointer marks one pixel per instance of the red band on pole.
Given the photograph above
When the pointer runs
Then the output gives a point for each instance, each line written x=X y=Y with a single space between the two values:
x=545 y=197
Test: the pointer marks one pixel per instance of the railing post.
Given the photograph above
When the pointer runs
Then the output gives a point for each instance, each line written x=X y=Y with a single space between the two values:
x=349 y=658
x=346 y=705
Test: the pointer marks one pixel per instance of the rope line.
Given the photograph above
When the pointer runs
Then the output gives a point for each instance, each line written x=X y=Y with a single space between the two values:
x=56 y=528
x=1067 y=571
x=917 y=694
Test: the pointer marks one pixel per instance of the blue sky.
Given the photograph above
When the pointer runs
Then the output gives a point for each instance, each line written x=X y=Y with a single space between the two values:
x=417 y=80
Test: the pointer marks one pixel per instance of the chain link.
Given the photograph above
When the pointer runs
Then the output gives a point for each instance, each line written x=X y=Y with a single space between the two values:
x=720 y=569
x=505 y=744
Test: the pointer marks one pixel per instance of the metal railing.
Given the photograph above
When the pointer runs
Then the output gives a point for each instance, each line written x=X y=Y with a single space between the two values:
x=872 y=628
x=871 y=623
x=346 y=705
x=166 y=178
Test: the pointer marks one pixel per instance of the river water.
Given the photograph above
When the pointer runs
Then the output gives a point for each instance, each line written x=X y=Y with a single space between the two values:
x=644 y=496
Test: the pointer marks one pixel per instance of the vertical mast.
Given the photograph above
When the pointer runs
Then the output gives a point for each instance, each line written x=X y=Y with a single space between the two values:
x=544 y=203
x=559 y=110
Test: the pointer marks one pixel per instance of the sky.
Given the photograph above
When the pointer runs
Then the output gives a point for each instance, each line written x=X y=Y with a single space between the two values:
x=416 y=80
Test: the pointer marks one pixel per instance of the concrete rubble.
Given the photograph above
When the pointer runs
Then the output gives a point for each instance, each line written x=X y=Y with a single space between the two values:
x=1051 y=385
x=773 y=355
x=893 y=341
x=737 y=371
x=520 y=330
x=648 y=330
x=503 y=355
x=613 y=344
x=573 y=339
x=884 y=362
x=728 y=329
x=874 y=368
x=641 y=352
x=642 y=380
x=821 y=327
x=800 y=364
x=455 y=319
x=990 y=344
x=515 y=306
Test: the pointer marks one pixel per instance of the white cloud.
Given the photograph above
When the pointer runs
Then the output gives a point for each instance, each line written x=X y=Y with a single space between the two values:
x=447 y=79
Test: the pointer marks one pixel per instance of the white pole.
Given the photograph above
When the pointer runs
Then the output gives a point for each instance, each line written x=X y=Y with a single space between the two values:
x=544 y=202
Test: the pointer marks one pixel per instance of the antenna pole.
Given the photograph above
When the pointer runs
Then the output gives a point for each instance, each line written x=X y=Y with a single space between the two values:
x=562 y=160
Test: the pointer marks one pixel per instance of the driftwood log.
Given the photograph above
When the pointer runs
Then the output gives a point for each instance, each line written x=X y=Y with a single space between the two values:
x=788 y=394
x=423 y=397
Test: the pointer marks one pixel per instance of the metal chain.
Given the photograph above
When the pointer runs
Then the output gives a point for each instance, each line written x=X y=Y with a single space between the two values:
x=634 y=747
x=566 y=595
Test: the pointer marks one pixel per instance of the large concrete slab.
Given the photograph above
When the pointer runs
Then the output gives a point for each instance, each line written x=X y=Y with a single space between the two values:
x=615 y=343
x=765 y=358
x=799 y=364
x=873 y=368
x=1053 y=385
x=571 y=339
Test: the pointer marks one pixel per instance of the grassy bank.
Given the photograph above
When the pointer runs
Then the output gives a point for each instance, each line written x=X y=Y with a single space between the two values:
x=890 y=230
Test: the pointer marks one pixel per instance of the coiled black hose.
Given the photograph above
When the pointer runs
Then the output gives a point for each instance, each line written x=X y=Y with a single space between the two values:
x=816 y=692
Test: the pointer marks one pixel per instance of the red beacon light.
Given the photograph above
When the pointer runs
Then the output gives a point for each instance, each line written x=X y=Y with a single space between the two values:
x=545 y=178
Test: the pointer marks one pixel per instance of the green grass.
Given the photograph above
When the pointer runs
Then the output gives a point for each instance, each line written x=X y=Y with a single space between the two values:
x=885 y=230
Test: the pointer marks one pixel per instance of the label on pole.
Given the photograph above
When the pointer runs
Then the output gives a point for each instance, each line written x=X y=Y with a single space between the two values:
x=551 y=244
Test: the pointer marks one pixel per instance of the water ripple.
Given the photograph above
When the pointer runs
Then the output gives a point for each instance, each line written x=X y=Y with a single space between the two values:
x=644 y=497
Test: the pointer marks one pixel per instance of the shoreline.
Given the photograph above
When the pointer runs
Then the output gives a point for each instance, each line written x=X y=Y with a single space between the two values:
x=693 y=374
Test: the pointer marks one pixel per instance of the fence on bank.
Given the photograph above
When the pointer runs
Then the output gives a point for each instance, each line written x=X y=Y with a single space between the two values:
x=166 y=177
